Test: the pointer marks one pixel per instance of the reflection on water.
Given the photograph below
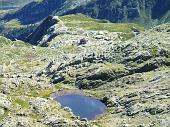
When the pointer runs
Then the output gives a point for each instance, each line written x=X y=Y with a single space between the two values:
x=83 y=106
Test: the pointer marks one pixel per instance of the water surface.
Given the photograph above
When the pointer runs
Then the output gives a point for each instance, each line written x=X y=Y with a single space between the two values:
x=83 y=106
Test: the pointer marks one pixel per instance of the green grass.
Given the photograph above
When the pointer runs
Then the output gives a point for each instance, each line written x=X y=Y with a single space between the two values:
x=59 y=86
x=22 y=103
x=70 y=49
x=109 y=67
x=154 y=52
x=4 y=115
x=1 y=81
x=88 y=23
x=166 y=100
x=4 y=41
x=40 y=93
x=3 y=12
x=76 y=18
x=98 y=93
x=31 y=92
x=13 y=24
x=7 y=42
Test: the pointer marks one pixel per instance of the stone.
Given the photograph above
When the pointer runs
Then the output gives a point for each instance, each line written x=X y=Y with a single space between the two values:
x=126 y=125
x=58 y=79
x=154 y=111
x=67 y=109
x=4 y=102
x=165 y=122
x=82 y=41
x=39 y=105
x=18 y=121
x=2 y=111
x=84 y=119
x=55 y=121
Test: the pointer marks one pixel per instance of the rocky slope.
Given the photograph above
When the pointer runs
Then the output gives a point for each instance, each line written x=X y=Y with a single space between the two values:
x=24 y=98
x=18 y=24
x=33 y=32
x=145 y=12
x=10 y=4
x=131 y=77
x=63 y=25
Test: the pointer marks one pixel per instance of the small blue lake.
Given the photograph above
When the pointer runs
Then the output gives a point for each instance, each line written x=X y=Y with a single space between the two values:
x=83 y=106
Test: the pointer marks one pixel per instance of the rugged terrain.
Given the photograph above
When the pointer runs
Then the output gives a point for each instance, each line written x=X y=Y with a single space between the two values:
x=21 y=22
x=124 y=66
x=145 y=12
x=12 y=4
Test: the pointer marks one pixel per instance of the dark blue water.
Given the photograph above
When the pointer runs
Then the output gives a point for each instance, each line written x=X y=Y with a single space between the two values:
x=83 y=106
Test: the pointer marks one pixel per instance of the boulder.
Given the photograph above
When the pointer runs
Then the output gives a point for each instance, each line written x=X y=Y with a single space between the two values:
x=4 y=102
x=39 y=105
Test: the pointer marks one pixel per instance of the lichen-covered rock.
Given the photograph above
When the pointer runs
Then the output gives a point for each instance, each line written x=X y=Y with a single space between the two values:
x=4 y=102
x=39 y=105
x=56 y=121
x=17 y=121
x=2 y=111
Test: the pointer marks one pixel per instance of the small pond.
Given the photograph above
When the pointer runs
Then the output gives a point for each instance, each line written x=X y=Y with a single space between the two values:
x=83 y=106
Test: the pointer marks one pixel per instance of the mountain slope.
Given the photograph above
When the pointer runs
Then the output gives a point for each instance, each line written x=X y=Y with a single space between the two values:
x=146 y=12
x=37 y=11
x=54 y=26
x=8 y=4
x=131 y=77
x=34 y=12
x=141 y=11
